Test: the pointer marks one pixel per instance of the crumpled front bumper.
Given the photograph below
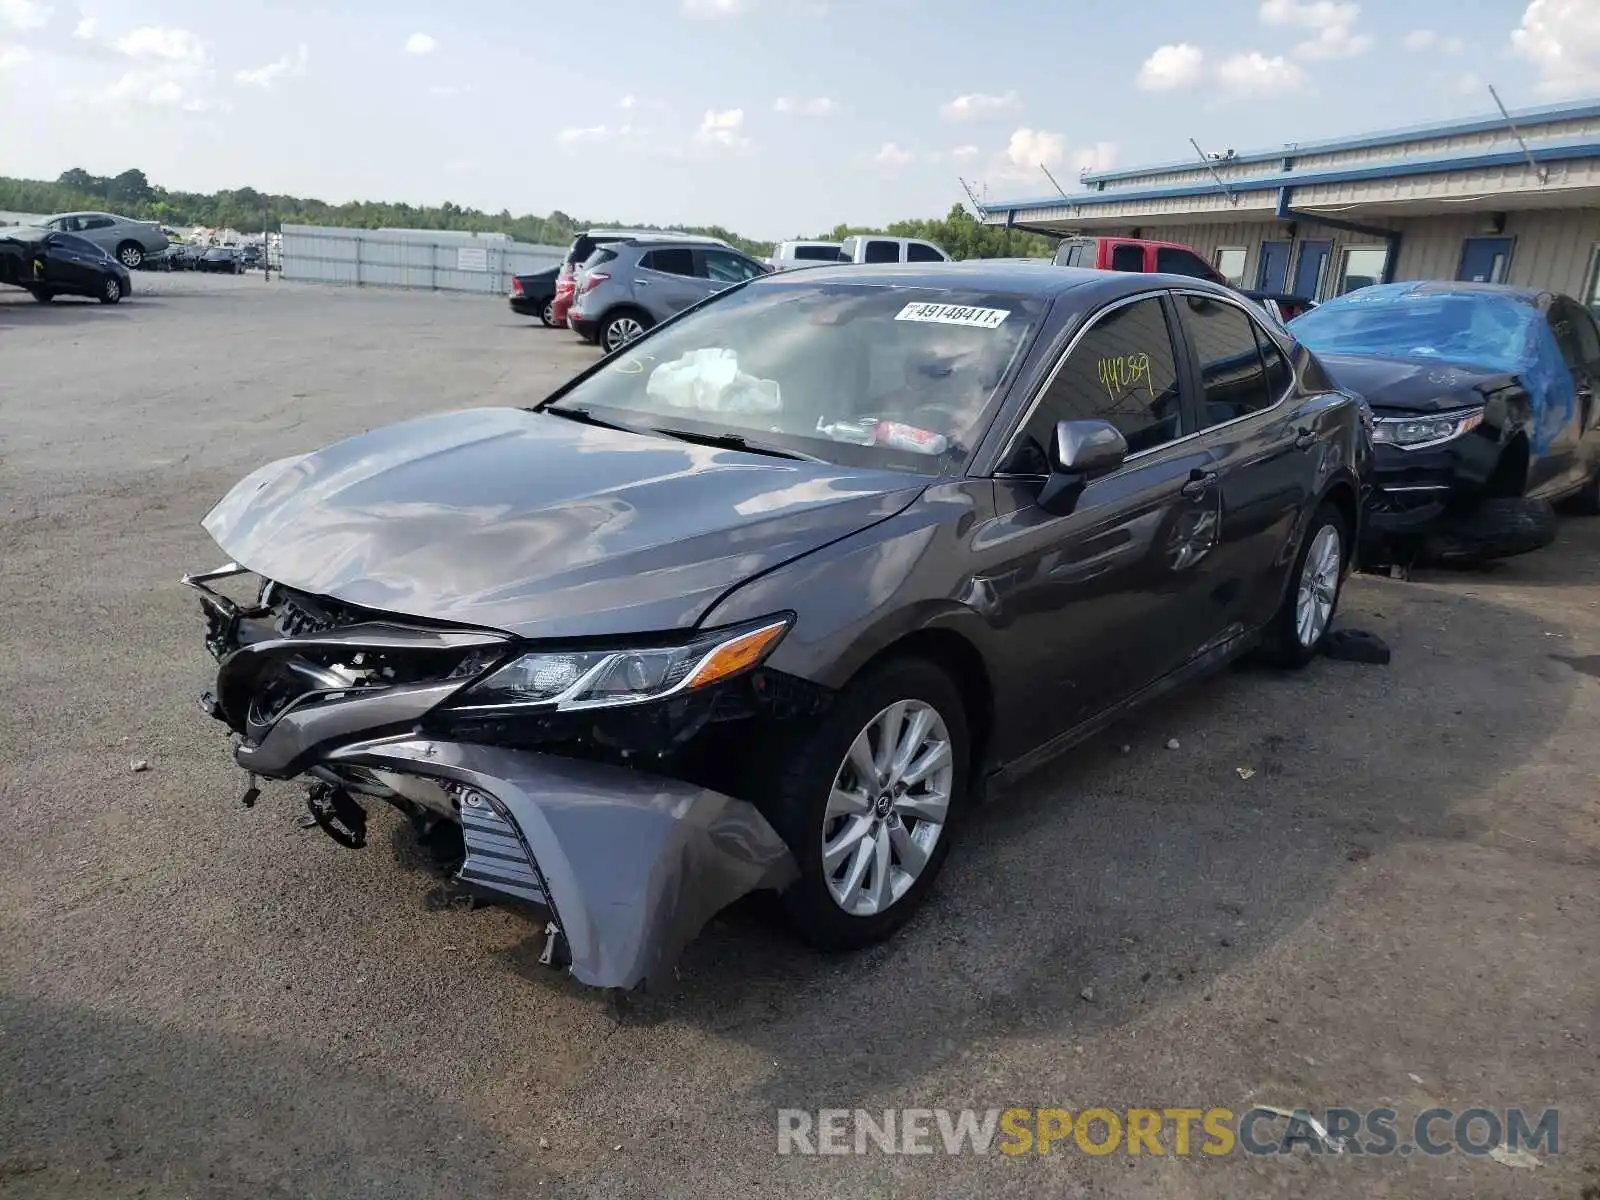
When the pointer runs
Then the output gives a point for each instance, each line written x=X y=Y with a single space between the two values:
x=630 y=865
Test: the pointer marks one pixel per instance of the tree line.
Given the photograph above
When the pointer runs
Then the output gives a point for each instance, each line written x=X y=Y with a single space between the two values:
x=249 y=211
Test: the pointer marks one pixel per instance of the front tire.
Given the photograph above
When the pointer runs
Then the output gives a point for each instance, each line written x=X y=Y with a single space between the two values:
x=867 y=798
x=1295 y=634
x=130 y=255
x=110 y=291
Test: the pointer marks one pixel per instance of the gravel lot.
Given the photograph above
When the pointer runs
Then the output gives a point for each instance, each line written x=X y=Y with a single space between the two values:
x=1398 y=907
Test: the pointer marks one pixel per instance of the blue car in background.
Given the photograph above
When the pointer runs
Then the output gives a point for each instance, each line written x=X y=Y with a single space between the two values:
x=1483 y=399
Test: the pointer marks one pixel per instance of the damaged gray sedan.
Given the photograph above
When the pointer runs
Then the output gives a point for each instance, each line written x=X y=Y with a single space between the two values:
x=769 y=597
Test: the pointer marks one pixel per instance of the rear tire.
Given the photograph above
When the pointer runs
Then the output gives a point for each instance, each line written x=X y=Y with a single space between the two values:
x=130 y=255
x=816 y=796
x=1311 y=600
x=620 y=328
x=547 y=314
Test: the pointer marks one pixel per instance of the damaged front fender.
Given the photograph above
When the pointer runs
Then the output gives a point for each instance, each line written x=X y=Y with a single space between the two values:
x=631 y=865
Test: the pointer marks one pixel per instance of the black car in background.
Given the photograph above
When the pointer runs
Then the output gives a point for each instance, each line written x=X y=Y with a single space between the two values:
x=225 y=259
x=1485 y=410
x=251 y=256
x=767 y=598
x=48 y=264
x=534 y=295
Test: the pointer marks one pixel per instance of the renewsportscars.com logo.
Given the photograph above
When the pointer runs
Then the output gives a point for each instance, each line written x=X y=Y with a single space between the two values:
x=1162 y=1131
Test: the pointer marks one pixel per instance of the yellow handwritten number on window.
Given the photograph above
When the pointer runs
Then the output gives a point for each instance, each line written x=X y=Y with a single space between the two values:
x=1122 y=373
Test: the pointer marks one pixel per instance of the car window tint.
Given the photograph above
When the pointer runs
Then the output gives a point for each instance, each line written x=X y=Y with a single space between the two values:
x=1181 y=262
x=816 y=253
x=77 y=245
x=676 y=260
x=1279 y=373
x=1232 y=374
x=1121 y=371
x=98 y=223
x=1127 y=258
x=922 y=252
x=883 y=252
x=729 y=268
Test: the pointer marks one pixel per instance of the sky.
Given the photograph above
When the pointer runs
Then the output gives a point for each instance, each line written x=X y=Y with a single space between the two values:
x=775 y=118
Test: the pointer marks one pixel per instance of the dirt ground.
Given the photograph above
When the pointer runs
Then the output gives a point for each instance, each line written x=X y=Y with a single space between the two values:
x=1397 y=907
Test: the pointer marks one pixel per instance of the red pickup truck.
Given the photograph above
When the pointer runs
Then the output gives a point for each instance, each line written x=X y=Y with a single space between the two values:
x=1167 y=258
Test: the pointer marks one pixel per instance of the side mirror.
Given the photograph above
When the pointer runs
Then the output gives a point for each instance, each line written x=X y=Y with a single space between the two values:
x=1079 y=452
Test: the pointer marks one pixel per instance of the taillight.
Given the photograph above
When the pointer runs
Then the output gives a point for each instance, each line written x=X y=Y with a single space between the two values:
x=516 y=286
x=594 y=277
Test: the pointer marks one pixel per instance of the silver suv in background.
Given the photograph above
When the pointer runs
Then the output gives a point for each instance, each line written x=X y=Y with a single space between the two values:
x=128 y=241
x=629 y=285
x=873 y=248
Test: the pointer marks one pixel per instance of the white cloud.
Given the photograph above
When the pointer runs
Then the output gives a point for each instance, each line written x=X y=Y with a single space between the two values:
x=627 y=103
x=1101 y=156
x=977 y=105
x=12 y=56
x=1331 y=24
x=152 y=41
x=725 y=128
x=287 y=67
x=1256 y=75
x=24 y=15
x=818 y=106
x=421 y=43
x=1420 y=39
x=964 y=153
x=1173 y=66
x=1029 y=149
x=715 y=8
x=1561 y=38
x=568 y=138
x=892 y=155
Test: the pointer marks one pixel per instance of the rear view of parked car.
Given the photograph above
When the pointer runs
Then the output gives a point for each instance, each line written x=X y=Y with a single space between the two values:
x=534 y=294
x=124 y=238
x=224 y=259
x=630 y=285
x=48 y=264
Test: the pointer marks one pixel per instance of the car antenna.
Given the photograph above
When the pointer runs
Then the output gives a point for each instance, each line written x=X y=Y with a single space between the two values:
x=1542 y=175
x=1211 y=166
x=1052 y=180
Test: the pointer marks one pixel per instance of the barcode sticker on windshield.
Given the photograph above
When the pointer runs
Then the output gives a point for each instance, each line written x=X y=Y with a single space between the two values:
x=953 y=314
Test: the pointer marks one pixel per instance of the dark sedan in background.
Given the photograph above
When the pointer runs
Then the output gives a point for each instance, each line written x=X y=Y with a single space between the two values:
x=49 y=264
x=1484 y=398
x=770 y=596
x=224 y=259
x=534 y=295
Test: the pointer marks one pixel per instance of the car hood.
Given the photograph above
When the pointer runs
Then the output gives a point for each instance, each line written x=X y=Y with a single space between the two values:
x=1413 y=385
x=537 y=525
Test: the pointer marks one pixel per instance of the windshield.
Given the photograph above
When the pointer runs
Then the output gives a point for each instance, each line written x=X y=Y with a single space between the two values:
x=862 y=374
x=1401 y=321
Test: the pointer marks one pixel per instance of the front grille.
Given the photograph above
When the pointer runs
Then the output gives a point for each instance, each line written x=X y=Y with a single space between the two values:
x=298 y=614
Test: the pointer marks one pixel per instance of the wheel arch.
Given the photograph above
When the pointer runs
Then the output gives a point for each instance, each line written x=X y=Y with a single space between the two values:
x=1509 y=478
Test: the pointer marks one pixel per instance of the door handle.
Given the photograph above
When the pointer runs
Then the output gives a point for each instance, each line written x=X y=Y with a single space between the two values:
x=641 y=283
x=1305 y=439
x=1199 y=483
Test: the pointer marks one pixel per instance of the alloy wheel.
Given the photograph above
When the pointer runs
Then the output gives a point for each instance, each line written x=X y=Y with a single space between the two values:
x=1318 y=587
x=131 y=257
x=113 y=290
x=621 y=331
x=887 y=808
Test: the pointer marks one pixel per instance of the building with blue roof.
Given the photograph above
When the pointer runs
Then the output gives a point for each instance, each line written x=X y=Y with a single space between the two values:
x=1498 y=199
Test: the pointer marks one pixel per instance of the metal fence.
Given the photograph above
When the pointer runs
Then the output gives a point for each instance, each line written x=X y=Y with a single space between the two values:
x=437 y=259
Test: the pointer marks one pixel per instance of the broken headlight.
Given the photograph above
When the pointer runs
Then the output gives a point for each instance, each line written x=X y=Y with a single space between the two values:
x=578 y=679
x=1418 y=433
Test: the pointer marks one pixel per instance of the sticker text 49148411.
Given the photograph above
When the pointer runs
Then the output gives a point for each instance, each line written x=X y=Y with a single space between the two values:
x=953 y=314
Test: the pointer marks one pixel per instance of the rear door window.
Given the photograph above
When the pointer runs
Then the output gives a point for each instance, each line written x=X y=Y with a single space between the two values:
x=922 y=252
x=883 y=252
x=816 y=254
x=669 y=260
x=97 y=223
x=1233 y=377
x=1127 y=257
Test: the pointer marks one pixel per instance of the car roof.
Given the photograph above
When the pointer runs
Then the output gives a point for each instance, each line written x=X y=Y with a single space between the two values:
x=1027 y=277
